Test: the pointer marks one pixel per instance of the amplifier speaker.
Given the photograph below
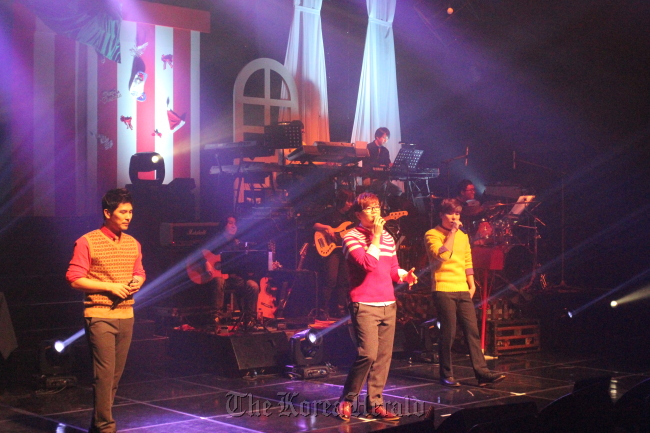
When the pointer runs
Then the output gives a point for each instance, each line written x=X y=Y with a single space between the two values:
x=267 y=350
x=232 y=355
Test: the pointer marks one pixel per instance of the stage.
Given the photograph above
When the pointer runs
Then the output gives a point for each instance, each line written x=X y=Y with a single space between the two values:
x=163 y=394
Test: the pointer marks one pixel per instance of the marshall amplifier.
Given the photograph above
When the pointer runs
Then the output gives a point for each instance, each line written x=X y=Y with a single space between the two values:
x=187 y=234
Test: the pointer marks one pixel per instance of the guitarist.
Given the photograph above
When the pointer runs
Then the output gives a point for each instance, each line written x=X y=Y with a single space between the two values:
x=245 y=287
x=334 y=275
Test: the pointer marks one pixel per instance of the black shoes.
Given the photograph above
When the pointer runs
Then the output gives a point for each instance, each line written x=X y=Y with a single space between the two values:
x=449 y=381
x=490 y=377
x=483 y=380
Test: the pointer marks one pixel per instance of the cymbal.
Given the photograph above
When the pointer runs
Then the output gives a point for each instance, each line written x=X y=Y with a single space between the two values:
x=490 y=206
x=472 y=210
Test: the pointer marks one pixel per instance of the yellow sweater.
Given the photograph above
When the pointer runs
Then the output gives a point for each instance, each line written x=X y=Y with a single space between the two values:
x=110 y=262
x=449 y=268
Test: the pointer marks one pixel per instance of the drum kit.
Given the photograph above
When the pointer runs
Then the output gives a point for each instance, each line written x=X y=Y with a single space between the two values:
x=512 y=230
x=489 y=225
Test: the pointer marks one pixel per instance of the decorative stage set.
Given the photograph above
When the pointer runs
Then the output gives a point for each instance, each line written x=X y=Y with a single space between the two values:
x=113 y=96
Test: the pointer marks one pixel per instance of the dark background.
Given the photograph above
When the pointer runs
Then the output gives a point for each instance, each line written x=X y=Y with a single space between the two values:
x=563 y=84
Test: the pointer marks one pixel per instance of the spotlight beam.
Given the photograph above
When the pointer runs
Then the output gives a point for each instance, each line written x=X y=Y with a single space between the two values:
x=643 y=293
x=614 y=290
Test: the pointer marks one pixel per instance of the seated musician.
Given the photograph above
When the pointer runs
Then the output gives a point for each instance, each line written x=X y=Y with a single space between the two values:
x=377 y=181
x=379 y=154
x=472 y=210
x=466 y=194
x=244 y=286
x=336 y=281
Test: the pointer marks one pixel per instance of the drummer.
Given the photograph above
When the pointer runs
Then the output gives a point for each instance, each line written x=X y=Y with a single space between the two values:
x=466 y=194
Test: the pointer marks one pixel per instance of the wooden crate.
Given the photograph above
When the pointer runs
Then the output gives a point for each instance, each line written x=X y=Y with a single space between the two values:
x=509 y=337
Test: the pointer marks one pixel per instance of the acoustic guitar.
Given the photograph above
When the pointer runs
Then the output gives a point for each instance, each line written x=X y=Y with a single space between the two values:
x=325 y=246
x=206 y=269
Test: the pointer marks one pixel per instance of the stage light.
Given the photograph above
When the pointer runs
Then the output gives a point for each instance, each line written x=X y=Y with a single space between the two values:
x=145 y=162
x=312 y=337
x=450 y=10
x=613 y=304
x=570 y=314
x=307 y=348
x=55 y=364
x=307 y=353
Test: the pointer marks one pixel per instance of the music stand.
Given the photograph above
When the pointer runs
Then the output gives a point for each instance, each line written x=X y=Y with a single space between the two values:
x=284 y=135
x=522 y=203
x=407 y=159
x=245 y=262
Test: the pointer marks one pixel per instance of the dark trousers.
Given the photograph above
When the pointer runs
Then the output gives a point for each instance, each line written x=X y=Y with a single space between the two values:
x=374 y=330
x=246 y=293
x=452 y=306
x=109 y=341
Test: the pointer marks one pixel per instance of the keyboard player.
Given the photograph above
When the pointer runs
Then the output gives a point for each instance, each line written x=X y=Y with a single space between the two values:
x=379 y=154
x=376 y=166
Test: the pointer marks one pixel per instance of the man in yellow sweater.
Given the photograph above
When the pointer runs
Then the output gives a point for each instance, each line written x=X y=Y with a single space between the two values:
x=453 y=287
x=107 y=267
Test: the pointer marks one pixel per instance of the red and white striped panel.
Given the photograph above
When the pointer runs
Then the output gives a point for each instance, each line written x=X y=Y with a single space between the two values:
x=69 y=144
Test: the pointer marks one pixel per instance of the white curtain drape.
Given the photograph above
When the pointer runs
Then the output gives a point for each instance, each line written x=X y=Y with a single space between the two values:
x=305 y=59
x=377 y=103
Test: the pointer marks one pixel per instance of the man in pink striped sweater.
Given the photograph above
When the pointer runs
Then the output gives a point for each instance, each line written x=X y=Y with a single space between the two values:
x=372 y=262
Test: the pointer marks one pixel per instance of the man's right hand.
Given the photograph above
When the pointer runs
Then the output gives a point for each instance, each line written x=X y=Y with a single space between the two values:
x=330 y=233
x=378 y=226
x=119 y=290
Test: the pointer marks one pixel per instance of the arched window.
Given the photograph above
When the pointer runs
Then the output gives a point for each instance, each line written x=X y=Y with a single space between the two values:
x=258 y=98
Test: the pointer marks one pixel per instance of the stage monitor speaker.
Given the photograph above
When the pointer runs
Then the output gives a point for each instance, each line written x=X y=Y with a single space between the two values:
x=232 y=355
x=506 y=418
x=268 y=351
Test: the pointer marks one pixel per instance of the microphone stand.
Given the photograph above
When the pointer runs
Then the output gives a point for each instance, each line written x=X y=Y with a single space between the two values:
x=562 y=212
x=448 y=161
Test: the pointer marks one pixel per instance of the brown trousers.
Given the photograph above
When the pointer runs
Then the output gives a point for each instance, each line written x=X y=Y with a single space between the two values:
x=374 y=330
x=109 y=341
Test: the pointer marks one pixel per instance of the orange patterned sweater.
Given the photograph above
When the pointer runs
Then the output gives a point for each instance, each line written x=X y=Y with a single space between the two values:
x=113 y=262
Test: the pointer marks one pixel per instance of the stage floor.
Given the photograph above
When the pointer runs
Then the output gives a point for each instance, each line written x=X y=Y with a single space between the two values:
x=180 y=398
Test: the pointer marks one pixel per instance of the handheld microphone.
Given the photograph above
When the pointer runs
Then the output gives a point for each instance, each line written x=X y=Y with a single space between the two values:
x=118 y=300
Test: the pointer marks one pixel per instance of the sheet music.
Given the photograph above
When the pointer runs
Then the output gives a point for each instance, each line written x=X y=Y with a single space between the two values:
x=521 y=204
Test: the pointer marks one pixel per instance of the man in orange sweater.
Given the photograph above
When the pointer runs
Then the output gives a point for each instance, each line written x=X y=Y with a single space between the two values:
x=107 y=267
